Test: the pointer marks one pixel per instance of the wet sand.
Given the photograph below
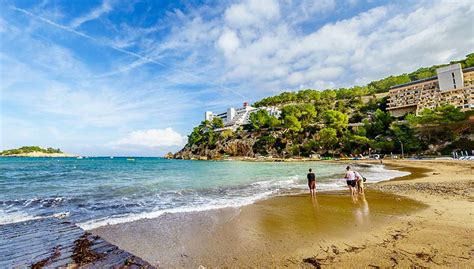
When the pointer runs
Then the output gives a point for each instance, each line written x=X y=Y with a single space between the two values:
x=268 y=232
x=424 y=228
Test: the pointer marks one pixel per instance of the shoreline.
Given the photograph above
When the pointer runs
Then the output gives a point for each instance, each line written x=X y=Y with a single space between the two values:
x=309 y=159
x=295 y=190
x=308 y=254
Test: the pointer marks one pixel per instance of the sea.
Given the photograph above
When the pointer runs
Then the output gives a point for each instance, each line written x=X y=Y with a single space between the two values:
x=94 y=192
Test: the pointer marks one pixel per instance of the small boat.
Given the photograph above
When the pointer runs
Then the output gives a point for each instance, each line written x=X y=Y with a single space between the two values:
x=111 y=157
x=130 y=159
x=80 y=157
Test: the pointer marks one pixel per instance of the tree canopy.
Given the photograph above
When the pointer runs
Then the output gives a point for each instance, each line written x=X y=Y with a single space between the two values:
x=441 y=114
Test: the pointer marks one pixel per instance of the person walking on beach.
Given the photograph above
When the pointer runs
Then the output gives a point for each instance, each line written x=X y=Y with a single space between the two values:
x=350 y=180
x=360 y=182
x=311 y=182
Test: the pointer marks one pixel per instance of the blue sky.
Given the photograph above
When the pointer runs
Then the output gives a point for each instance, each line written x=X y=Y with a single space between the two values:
x=133 y=77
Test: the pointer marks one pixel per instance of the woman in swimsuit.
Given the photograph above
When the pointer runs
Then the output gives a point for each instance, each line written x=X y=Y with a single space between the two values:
x=350 y=180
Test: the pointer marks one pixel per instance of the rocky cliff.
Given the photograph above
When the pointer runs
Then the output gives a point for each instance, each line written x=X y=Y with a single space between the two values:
x=242 y=147
x=246 y=144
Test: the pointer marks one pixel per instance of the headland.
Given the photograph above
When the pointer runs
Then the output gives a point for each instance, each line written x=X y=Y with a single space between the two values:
x=34 y=151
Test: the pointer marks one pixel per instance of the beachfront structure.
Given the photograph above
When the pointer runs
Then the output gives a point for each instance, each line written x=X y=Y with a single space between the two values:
x=235 y=117
x=452 y=85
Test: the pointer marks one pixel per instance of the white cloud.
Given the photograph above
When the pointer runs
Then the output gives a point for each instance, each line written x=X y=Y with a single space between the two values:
x=252 y=12
x=295 y=78
x=74 y=96
x=99 y=108
x=152 y=138
x=381 y=41
x=228 y=42
x=317 y=6
x=122 y=69
x=105 y=7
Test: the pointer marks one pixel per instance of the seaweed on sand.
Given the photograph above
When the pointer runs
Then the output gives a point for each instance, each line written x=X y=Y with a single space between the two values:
x=82 y=253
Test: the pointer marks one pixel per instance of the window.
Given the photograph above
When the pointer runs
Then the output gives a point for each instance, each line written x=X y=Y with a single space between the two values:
x=454 y=80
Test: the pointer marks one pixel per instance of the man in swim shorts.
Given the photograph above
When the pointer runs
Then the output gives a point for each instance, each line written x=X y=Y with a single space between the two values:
x=360 y=182
x=350 y=180
x=311 y=182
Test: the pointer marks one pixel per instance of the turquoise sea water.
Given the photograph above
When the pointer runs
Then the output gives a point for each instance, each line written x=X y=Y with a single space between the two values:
x=96 y=191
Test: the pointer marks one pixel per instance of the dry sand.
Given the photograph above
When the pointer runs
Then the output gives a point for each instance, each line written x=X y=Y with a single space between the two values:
x=430 y=226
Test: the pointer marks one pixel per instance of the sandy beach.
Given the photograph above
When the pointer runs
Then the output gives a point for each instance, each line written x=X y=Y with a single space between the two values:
x=421 y=220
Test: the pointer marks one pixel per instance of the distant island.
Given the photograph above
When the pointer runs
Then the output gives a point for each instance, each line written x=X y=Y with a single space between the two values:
x=407 y=114
x=34 y=151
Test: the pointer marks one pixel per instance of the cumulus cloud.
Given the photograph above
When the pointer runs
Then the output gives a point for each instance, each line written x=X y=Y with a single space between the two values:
x=252 y=12
x=152 y=138
x=375 y=43
x=228 y=41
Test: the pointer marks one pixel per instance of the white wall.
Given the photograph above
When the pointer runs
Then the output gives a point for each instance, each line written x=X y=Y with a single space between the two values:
x=230 y=114
x=450 y=77
x=208 y=115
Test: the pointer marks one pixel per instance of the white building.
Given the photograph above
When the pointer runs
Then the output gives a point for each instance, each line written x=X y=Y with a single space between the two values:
x=450 y=77
x=233 y=118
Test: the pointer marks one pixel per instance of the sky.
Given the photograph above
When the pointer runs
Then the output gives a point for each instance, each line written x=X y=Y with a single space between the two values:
x=132 y=78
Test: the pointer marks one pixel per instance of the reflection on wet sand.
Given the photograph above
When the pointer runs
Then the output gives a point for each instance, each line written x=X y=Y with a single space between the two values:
x=360 y=209
x=314 y=201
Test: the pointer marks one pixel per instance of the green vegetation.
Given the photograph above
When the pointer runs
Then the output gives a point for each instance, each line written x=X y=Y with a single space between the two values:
x=29 y=149
x=438 y=115
x=339 y=122
x=379 y=86
x=261 y=119
x=205 y=135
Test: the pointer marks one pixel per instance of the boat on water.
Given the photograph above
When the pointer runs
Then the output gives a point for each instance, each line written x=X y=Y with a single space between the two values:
x=80 y=157
x=111 y=157
x=130 y=159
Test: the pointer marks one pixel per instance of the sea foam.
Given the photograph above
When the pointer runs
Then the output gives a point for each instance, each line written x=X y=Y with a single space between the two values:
x=102 y=191
x=373 y=173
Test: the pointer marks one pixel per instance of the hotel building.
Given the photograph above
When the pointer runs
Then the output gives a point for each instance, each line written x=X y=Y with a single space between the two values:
x=452 y=85
x=234 y=118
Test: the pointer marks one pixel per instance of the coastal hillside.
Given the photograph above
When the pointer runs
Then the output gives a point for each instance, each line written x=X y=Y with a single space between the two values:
x=34 y=151
x=374 y=88
x=337 y=122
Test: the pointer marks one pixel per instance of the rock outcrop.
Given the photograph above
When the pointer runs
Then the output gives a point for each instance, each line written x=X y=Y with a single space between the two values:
x=237 y=147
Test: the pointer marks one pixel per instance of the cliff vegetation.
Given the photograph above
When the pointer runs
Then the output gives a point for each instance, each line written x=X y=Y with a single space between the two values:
x=337 y=122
